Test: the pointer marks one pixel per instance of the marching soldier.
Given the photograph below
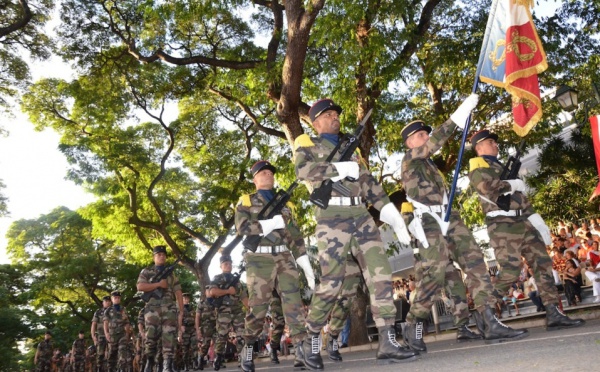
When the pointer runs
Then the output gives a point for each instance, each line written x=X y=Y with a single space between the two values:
x=442 y=241
x=43 y=354
x=346 y=226
x=228 y=299
x=188 y=334
x=98 y=334
x=272 y=265
x=115 y=328
x=162 y=320
x=205 y=322
x=514 y=228
x=78 y=353
x=278 y=325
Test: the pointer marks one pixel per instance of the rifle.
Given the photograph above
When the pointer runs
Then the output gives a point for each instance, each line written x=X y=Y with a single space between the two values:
x=321 y=195
x=226 y=300
x=157 y=293
x=273 y=208
x=510 y=172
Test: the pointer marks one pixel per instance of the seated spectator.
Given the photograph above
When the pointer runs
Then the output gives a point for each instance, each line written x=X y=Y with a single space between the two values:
x=514 y=293
x=573 y=282
x=582 y=231
x=532 y=291
x=558 y=265
x=593 y=270
x=573 y=245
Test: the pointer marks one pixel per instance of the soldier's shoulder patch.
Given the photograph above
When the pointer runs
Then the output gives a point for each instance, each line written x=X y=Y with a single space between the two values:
x=477 y=162
x=245 y=200
x=303 y=140
x=407 y=208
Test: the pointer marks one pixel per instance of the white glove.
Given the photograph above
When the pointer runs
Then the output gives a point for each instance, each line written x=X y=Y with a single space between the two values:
x=345 y=169
x=271 y=224
x=304 y=263
x=390 y=215
x=517 y=185
x=538 y=222
x=459 y=117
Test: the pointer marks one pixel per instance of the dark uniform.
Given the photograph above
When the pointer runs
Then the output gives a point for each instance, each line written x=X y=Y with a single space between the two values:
x=78 y=353
x=346 y=226
x=115 y=321
x=44 y=354
x=513 y=226
x=272 y=266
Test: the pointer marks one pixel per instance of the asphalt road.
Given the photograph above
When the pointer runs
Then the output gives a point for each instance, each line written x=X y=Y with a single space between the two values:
x=565 y=350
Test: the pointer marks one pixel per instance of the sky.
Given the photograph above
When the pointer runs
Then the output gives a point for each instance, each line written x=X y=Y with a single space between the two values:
x=34 y=170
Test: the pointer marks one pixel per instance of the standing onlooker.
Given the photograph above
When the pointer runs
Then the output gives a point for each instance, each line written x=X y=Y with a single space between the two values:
x=532 y=291
x=43 y=354
x=78 y=353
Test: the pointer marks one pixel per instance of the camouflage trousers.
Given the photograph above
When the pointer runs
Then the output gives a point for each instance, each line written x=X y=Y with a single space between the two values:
x=208 y=323
x=431 y=271
x=341 y=309
x=341 y=230
x=186 y=344
x=44 y=365
x=511 y=238
x=161 y=322
x=79 y=365
x=117 y=350
x=278 y=324
x=229 y=318
x=101 y=349
x=265 y=272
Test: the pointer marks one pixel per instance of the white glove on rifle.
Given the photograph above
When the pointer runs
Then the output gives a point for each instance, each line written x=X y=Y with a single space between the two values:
x=271 y=224
x=304 y=263
x=390 y=215
x=538 y=222
x=345 y=169
x=459 y=117
x=517 y=185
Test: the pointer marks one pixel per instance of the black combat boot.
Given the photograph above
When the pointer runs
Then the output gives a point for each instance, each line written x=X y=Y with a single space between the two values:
x=273 y=355
x=390 y=351
x=556 y=319
x=168 y=365
x=149 y=365
x=495 y=331
x=299 y=356
x=311 y=353
x=413 y=336
x=479 y=323
x=201 y=362
x=332 y=349
x=247 y=355
x=463 y=333
x=219 y=361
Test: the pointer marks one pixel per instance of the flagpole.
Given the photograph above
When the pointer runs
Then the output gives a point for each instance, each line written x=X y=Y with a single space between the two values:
x=486 y=37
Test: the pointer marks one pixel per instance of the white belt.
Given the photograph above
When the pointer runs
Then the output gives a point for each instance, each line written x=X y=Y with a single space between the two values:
x=432 y=208
x=511 y=213
x=342 y=200
x=271 y=249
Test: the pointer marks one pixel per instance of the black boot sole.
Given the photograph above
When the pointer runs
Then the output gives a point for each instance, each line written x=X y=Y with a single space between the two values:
x=499 y=340
x=469 y=339
x=563 y=326
x=394 y=361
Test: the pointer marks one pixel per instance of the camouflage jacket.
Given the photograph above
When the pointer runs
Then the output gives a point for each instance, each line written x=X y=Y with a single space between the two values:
x=484 y=176
x=204 y=307
x=141 y=317
x=312 y=169
x=421 y=178
x=79 y=348
x=189 y=318
x=246 y=223
x=116 y=320
x=45 y=349
x=220 y=280
x=172 y=281
x=99 y=319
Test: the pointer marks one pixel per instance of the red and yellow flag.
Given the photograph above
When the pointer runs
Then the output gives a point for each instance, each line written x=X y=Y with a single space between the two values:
x=595 y=122
x=513 y=58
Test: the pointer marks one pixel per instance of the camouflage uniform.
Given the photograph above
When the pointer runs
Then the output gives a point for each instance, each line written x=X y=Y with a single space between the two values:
x=271 y=267
x=425 y=185
x=230 y=313
x=117 y=337
x=140 y=338
x=208 y=322
x=101 y=348
x=78 y=352
x=341 y=309
x=278 y=320
x=188 y=336
x=344 y=229
x=512 y=236
x=161 y=316
x=44 y=359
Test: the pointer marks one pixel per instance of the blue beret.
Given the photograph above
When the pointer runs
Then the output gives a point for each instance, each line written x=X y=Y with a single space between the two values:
x=414 y=127
x=321 y=106
x=482 y=135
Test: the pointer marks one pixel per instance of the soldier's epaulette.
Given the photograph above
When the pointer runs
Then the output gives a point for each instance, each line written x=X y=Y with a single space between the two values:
x=407 y=208
x=477 y=162
x=303 y=140
x=245 y=200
